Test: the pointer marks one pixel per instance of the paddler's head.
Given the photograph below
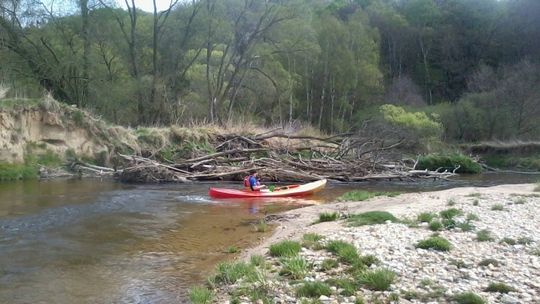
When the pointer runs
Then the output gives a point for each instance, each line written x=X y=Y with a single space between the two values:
x=253 y=173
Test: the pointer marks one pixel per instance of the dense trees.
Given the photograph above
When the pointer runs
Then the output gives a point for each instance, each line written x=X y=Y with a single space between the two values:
x=331 y=64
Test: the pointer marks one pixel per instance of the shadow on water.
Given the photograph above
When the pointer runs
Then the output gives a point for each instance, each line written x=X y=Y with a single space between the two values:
x=92 y=241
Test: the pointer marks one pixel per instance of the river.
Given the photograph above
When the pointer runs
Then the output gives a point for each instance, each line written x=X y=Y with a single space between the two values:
x=98 y=241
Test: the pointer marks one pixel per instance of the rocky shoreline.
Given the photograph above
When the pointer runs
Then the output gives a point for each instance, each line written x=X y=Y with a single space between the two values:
x=493 y=255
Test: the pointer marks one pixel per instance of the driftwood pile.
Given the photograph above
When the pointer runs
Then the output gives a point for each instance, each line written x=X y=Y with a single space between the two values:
x=281 y=157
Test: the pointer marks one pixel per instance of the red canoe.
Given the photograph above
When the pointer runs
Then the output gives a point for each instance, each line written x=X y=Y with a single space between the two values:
x=292 y=190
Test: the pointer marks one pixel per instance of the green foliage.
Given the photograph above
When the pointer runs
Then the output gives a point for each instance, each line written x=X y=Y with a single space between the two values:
x=346 y=252
x=497 y=207
x=312 y=240
x=10 y=172
x=261 y=226
x=361 y=195
x=436 y=243
x=435 y=225
x=256 y=260
x=328 y=217
x=472 y=217
x=484 y=236
x=509 y=241
x=469 y=298
x=449 y=162
x=329 y=264
x=78 y=118
x=285 y=249
x=465 y=226
x=348 y=285
x=425 y=126
x=232 y=249
x=379 y=279
x=201 y=295
x=489 y=261
x=426 y=217
x=230 y=273
x=499 y=287
x=450 y=213
x=524 y=240
x=313 y=290
x=371 y=218
x=295 y=268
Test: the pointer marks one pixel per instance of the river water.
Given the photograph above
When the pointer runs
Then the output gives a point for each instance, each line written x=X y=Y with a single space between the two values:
x=98 y=241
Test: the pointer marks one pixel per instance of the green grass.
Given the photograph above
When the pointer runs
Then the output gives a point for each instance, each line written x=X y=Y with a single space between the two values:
x=361 y=195
x=472 y=217
x=379 y=279
x=285 y=249
x=295 y=268
x=312 y=241
x=484 y=236
x=469 y=298
x=232 y=249
x=257 y=260
x=369 y=260
x=201 y=295
x=261 y=226
x=499 y=287
x=230 y=273
x=346 y=252
x=509 y=241
x=329 y=264
x=497 y=207
x=426 y=217
x=465 y=226
x=348 y=285
x=450 y=213
x=371 y=218
x=520 y=201
x=10 y=172
x=449 y=162
x=313 y=290
x=435 y=225
x=10 y=103
x=524 y=240
x=328 y=217
x=489 y=261
x=436 y=243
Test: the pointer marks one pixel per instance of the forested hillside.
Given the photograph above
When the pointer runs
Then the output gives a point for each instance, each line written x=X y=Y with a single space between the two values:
x=460 y=70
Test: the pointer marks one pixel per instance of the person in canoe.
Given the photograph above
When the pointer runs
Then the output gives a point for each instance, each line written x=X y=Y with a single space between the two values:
x=252 y=182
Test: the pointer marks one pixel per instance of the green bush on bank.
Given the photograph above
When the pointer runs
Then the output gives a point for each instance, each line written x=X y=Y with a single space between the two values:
x=10 y=172
x=449 y=161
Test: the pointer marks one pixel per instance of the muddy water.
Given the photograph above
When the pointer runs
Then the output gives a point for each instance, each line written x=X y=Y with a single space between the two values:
x=91 y=241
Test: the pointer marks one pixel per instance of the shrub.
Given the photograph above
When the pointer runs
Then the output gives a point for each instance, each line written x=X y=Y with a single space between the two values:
x=449 y=162
x=285 y=249
x=379 y=279
x=230 y=273
x=450 y=213
x=328 y=264
x=201 y=295
x=487 y=262
x=484 y=236
x=436 y=243
x=346 y=252
x=499 y=287
x=469 y=298
x=426 y=217
x=371 y=218
x=328 y=217
x=9 y=172
x=497 y=207
x=361 y=195
x=295 y=268
x=313 y=290
x=312 y=240
x=419 y=122
x=435 y=225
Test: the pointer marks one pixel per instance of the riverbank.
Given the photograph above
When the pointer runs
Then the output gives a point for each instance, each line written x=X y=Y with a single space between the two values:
x=482 y=246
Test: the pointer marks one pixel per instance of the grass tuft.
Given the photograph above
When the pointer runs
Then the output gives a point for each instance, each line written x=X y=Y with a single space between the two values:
x=201 y=295
x=487 y=262
x=285 y=249
x=451 y=202
x=313 y=290
x=472 y=217
x=499 y=287
x=312 y=241
x=469 y=298
x=329 y=264
x=379 y=279
x=328 y=217
x=256 y=260
x=450 y=213
x=261 y=226
x=348 y=286
x=232 y=249
x=426 y=217
x=436 y=243
x=346 y=252
x=497 y=207
x=230 y=273
x=436 y=225
x=371 y=218
x=465 y=226
x=525 y=240
x=509 y=241
x=361 y=195
x=296 y=268
x=484 y=236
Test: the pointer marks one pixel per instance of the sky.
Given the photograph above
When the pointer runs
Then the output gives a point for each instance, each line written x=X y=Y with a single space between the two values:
x=147 y=5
